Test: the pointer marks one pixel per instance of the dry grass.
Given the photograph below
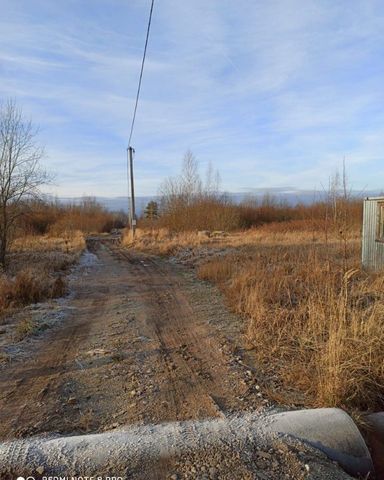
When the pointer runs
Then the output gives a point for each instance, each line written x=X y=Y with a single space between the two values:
x=314 y=318
x=27 y=287
x=4 y=358
x=162 y=241
x=25 y=327
x=45 y=253
x=67 y=243
x=86 y=421
x=36 y=269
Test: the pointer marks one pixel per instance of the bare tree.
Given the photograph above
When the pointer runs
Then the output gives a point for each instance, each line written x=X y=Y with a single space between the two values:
x=20 y=172
x=180 y=191
x=189 y=203
x=190 y=180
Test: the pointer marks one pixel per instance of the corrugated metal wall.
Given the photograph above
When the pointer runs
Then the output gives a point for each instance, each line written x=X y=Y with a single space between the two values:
x=372 y=251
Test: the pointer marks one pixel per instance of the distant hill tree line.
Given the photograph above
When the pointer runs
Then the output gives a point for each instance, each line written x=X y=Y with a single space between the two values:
x=188 y=203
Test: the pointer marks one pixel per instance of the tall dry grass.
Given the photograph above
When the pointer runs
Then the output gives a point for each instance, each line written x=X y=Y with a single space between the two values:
x=37 y=269
x=71 y=242
x=161 y=241
x=314 y=317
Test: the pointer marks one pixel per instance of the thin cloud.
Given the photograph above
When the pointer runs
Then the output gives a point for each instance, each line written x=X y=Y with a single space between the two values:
x=273 y=93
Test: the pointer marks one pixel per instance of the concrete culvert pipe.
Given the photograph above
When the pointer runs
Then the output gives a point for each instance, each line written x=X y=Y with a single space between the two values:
x=127 y=451
x=330 y=430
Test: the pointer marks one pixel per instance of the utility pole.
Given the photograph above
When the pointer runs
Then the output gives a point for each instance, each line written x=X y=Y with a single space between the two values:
x=130 y=152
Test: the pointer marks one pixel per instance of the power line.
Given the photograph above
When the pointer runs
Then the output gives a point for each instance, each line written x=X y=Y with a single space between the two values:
x=141 y=74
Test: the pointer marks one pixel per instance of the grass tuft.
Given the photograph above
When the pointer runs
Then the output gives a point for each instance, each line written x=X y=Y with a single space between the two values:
x=25 y=328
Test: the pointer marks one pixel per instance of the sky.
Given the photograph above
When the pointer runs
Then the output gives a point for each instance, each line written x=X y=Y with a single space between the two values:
x=273 y=93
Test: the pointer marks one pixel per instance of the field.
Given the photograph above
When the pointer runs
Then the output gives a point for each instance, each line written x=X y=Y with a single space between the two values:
x=313 y=320
x=166 y=331
x=38 y=269
x=143 y=342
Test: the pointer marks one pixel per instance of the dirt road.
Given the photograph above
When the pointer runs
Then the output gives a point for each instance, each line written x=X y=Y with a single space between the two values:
x=145 y=343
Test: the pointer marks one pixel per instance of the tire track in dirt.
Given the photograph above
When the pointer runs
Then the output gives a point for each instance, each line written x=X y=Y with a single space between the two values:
x=136 y=349
x=31 y=385
x=170 y=307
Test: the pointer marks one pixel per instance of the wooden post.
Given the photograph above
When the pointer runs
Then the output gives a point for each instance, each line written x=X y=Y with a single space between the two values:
x=130 y=152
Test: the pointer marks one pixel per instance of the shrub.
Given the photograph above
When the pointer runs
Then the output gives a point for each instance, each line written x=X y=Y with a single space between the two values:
x=58 y=288
x=43 y=217
x=200 y=214
x=28 y=287
x=25 y=327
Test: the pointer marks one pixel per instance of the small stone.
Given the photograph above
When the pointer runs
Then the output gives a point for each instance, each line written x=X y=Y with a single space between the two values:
x=72 y=401
x=262 y=476
x=265 y=455
x=40 y=470
x=212 y=472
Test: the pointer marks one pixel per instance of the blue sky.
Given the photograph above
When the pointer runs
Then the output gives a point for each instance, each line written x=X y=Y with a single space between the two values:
x=273 y=93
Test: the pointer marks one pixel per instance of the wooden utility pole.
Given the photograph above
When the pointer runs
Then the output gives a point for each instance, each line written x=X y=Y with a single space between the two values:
x=130 y=152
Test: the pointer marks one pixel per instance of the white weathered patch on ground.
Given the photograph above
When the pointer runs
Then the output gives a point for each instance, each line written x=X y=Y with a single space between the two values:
x=88 y=259
x=44 y=315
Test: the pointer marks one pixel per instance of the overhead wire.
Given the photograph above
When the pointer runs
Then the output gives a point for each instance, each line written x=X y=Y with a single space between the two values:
x=141 y=74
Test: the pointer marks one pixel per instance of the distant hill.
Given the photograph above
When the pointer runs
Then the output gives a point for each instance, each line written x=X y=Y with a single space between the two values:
x=291 y=196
